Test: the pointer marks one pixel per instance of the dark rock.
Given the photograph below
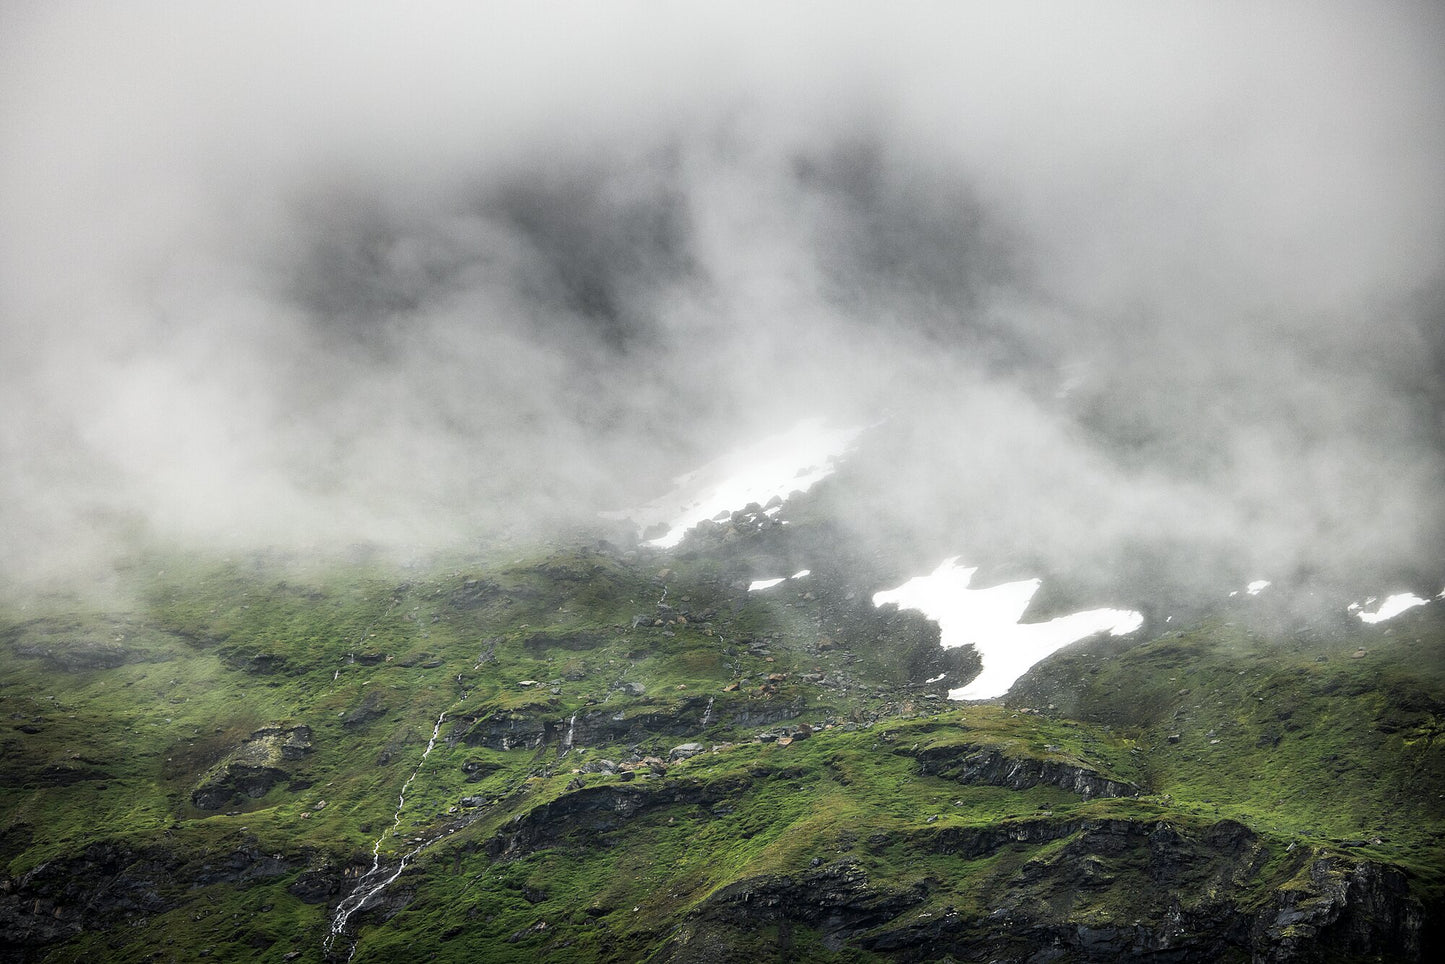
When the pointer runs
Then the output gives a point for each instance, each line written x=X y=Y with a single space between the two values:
x=316 y=886
x=252 y=769
x=73 y=646
x=474 y=593
x=107 y=885
x=370 y=708
x=257 y=664
x=989 y=765
x=234 y=781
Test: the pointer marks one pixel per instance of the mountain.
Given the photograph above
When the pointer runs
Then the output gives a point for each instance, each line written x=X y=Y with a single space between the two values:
x=595 y=749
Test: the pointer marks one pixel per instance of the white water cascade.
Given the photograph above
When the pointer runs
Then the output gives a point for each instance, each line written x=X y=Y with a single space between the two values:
x=571 y=732
x=369 y=886
x=707 y=713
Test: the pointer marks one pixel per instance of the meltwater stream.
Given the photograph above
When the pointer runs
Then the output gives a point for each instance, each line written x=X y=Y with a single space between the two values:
x=372 y=882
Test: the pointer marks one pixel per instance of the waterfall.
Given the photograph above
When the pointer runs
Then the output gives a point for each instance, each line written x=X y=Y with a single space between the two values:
x=707 y=713
x=367 y=886
x=571 y=732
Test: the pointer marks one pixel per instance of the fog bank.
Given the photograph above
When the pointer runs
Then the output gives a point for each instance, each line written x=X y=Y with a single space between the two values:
x=1153 y=293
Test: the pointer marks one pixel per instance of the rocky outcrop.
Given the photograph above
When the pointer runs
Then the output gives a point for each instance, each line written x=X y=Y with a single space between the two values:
x=838 y=899
x=69 y=647
x=991 y=766
x=109 y=884
x=506 y=730
x=1117 y=890
x=1354 y=909
x=252 y=769
x=473 y=594
x=536 y=726
x=579 y=818
x=371 y=707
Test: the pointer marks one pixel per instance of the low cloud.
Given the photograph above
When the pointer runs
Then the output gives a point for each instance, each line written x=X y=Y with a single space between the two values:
x=1147 y=294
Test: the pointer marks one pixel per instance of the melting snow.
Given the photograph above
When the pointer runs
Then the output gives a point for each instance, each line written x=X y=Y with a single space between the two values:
x=1391 y=607
x=777 y=465
x=770 y=583
x=989 y=618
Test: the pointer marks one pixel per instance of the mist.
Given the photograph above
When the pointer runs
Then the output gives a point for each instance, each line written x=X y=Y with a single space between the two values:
x=1140 y=295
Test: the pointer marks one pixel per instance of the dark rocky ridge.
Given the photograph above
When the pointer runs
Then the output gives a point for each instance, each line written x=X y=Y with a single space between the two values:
x=983 y=764
x=1360 y=910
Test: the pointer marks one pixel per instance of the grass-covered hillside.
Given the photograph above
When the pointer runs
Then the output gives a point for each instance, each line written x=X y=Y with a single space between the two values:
x=590 y=753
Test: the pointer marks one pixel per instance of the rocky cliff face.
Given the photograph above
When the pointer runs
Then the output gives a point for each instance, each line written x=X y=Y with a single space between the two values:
x=110 y=887
x=850 y=911
x=992 y=766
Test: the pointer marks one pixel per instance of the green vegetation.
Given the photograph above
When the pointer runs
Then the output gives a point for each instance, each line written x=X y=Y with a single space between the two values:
x=204 y=772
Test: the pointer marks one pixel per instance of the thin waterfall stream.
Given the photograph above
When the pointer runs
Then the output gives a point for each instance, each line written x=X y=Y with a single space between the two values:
x=368 y=886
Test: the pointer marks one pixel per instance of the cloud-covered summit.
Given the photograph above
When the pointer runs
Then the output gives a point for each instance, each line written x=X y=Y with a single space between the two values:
x=1139 y=287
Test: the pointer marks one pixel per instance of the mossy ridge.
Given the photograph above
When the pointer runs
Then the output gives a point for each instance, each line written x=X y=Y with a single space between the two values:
x=1347 y=740
x=801 y=818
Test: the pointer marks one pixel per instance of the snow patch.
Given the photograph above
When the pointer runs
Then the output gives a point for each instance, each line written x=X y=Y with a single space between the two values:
x=1390 y=608
x=758 y=584
x=775 y=466
x=989 y=619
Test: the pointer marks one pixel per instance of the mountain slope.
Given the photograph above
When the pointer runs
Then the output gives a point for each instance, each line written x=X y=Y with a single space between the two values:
x=603 y=753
